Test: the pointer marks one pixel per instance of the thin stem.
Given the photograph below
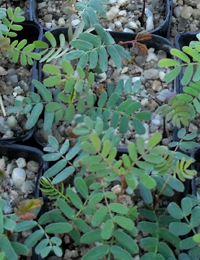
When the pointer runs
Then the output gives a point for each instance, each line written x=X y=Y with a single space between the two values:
x=2 y=106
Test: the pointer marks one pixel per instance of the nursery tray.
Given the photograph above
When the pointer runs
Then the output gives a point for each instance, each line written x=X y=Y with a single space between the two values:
x=32 y=32
x=15 y=151
x=162 y=30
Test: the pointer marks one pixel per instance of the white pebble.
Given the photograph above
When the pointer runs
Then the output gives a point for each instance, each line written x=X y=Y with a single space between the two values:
x=11 y=122
x=21 y=162
x=33 y=166
x=18 y=176
x=75 y=22
x=61 y=22
x=27 y=187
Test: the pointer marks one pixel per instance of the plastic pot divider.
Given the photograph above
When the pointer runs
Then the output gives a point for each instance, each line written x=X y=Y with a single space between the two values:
x=32 y=32
x=16 y=151
x=162 y=30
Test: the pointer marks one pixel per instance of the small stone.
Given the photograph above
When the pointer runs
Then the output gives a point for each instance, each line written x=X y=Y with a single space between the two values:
x=132 y=25
x=112 y=13
x=186 y=12
x=42 y=5
x=127 y=30
x=151 y=74
x=21 y=162
x=116 y=189
x=112 y=1
x=122 y=2
x=48 y=18
x=152 y=57
x=61 y=22
x=166 y=141
x=28 y=187
x=192 y=128
x=122 y=13
x=75 y=22
x=163 y=94
x=156 y=85
x=2 y=164
x=177 y=11
x=103 y=77
x=118 y=24
x=33 y=166
x=14 y=78
x=18 y=176
x=162 y=75
x=124 y=70
x=11 y=122
x=48 y=25
x=3 y=72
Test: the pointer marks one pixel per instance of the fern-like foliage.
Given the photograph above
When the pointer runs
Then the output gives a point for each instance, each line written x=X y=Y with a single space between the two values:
x=90 y=9
x=17 y=51
x=181 y=108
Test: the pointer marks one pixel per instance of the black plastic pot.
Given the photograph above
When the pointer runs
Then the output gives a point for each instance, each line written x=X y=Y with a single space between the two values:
x=28 y=153
x=195 y=166
x=162 y=30
x=181 y=40
x=32 y=32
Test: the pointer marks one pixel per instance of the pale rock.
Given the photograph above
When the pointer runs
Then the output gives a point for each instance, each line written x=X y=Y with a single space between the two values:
x=103 y=77
x=156 y=122
x=163 y=94
x=162 y=75
x=177 y=11
x=151 y=57
x=122 y=2
x=149 y=21
x=127 y=30
x=18 y=176
x=116 y=189
x=28 y=187
x=166 y=141
x=122 y=13
x=42 y=5
x=61 y=22
x=48 y=25
x=144 y=101
x=186 y=12
x=132 y=25
x=198 y=6
x=112 y=1
x=156 y=85
x=33 y=166
x=75 y=22
x=124 y=77
x=3 y=72
x=192 y=128
x=135 y=79
x=151 y=74
x=26 y=233
x=14 y=78
x=124 y=70
x=118 y=24
x=48 y=18
x=2 y=164
x=18 y=90
x=68 y=10
x=11 y=122
x=112 y=13
x=21 y=162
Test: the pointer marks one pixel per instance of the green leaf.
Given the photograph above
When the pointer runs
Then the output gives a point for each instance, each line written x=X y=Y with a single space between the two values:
x=24 y=225
x=34 y=116
x=81 y=44
x=8 y=224
x=58 y=228
x=96 y=253
x=181 y=55
x=45 y=251
x=114 y=56
x=7 y=248
x=194 y=219
x=32 y=240
x=102 y=33
x=140 y=144
x=187 y=75
x=103 y=59
x=145 y=193
x=148 y=227
x=122 y=52
x=187 y=243
x=172 y=74
x=186 y=205
x=123 y=127
x=44 y=92
x=169 y=237
x=81 y=187
x=91 y=237
x=174 y=183
x=93 y=39
x=95 y=199
x=74 y=198
x=124 y=222
x=51 y=69
x=168 y=63
x=119 y=253
x=126 y=242
x=64 y=174
x=118 y=208
x=154 y=140
x=139 y=128
x=51 y=38
x=70 y=112
x=72 y=55
x=52 y=81
x=148 y=243
x=179 y=229
x=107 y=229
x=65 y=208
x=82 y=225
x=57 y=250
x=99 y=216
x=93 y=59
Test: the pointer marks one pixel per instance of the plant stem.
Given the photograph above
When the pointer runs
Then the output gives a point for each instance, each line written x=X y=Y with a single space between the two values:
x=141 y=18
x=2 y=106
